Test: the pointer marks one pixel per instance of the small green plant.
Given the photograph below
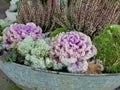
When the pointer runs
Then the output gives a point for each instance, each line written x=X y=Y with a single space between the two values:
x=57 y=31
x=10 y=56
x=108 y=45
x=13 y=56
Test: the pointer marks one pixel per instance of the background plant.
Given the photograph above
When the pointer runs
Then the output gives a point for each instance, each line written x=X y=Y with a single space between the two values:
x=108 y=45
x=88 y=16
x=39 y=12
x=8 y=1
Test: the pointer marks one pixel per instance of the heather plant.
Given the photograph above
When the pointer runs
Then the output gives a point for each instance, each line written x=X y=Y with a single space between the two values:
x=39 y=12
x=88 y=16
x=108 y=46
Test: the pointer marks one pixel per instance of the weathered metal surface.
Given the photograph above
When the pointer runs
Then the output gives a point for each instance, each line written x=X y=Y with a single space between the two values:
x=46 y=80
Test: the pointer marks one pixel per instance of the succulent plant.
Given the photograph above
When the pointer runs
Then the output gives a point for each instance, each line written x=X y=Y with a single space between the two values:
x=36 y=53
x=108 y=46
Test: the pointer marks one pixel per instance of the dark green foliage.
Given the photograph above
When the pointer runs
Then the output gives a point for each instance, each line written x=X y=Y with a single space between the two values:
x=1 y=46
x=119 y=20
x=8 y=1
x=1 y=29
x=13 y=56
x=108 y=45
x=10 y=56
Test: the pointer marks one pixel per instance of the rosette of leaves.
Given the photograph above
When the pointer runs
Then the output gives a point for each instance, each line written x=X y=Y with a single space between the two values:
x=108 y=46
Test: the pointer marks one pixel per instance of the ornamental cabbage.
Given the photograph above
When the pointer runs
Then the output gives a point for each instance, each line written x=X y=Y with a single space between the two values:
x=18 y=32
x=71 y=47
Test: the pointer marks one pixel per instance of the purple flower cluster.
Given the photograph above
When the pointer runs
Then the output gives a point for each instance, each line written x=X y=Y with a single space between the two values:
x=71 y=47
x=18 y=32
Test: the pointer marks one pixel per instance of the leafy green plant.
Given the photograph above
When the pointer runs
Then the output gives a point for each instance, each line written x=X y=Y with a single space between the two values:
x=13 y=56
x=10 y=56
x=108 y=45
x=57 y=31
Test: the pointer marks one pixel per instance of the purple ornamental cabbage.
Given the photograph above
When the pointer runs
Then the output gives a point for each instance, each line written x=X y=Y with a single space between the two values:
x=71 y=47
x=17 y=32
x=78 y=67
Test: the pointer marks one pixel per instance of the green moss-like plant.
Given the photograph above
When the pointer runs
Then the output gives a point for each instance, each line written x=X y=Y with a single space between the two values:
x=108 y=45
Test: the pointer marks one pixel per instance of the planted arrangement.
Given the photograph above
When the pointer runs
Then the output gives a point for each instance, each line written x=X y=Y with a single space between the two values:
x=65 y=36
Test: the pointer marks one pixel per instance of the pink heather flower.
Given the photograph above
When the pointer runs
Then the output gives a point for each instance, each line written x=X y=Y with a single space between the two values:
x=70 y=47
x=17 y=32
